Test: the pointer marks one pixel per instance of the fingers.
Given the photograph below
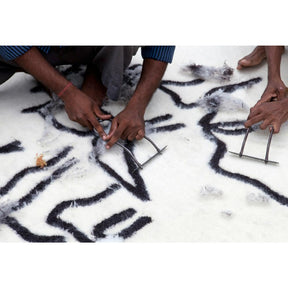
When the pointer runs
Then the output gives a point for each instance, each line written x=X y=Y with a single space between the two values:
x=253 y=120
x=276 y=127
x=265 y=124
x=115 y=135
x=266 y=98
x=140 y=135
x=113 y=128
x=92 y=119
x=84 y=123
x=118 y=131
x=100 y=114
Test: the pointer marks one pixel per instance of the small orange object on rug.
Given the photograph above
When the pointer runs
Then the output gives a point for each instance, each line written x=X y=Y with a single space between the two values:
x=40 y=162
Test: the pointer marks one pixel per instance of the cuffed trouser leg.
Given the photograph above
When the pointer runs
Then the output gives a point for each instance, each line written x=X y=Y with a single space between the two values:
x=111 y=62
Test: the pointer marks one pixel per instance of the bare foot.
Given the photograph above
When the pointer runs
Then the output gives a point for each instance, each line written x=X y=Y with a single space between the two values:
x=253 y=59
x=93 y=87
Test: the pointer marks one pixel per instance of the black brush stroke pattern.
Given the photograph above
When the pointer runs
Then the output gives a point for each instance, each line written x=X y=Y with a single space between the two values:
x=21 y=174
x=136 y=226
x=99 y=229
x=14 y=146
x=42 y=185
x=28 y=236
x=54 y=216
x=219 y=154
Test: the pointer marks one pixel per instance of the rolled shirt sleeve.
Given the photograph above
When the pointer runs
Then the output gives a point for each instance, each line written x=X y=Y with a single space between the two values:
x=10 y=53
x=160 y=53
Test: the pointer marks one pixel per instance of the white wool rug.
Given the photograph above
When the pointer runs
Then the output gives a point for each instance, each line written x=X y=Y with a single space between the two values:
x=196 y=191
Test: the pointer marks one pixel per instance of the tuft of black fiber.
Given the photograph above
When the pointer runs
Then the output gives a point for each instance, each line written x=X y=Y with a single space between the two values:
x=11 y=147
x=223 y=73
x=99 y=229
x=137 y=225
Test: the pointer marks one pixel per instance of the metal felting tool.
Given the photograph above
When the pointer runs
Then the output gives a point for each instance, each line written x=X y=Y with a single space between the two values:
x=266 y=160
x=139 y=165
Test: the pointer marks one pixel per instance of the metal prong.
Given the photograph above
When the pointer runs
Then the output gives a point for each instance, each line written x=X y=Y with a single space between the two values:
x=159 y=152
x=268 y=144
x=131 y=154
x=244 y=142
x=155 y=146
x=255 y=158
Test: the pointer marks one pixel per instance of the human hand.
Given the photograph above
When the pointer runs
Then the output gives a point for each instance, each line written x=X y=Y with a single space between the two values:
x=275 y=90
x=271 y=113
x=82 y=109
x=129 y=124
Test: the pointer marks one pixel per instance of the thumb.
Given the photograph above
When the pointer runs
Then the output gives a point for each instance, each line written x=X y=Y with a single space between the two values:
x=100 y=114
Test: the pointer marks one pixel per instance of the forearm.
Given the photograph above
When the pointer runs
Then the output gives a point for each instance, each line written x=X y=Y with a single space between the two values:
x=36 y=65
x=273 y=54
x=151 y=76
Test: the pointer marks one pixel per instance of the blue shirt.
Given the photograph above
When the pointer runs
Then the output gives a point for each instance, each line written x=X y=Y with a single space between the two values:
x=160 y=53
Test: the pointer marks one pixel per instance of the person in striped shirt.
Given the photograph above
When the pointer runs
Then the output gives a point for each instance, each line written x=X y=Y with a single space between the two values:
x=103 y=78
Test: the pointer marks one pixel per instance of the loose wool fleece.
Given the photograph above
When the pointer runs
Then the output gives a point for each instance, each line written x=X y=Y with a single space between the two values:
x=193 y=191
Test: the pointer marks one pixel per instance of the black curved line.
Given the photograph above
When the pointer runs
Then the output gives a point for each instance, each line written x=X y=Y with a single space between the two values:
x=229 y=132
x=233 y=87
x=139 y=190
x=54 y=219
x=220 y=153
x=55 y=123
x=182 y=83
x=27 y=235
x=18 y=176
x=64 y=128
x=35 y=109
x=227 y=124
x=41 y=186
x=136 y=226
x=168 y=128
x=99 y=229
x=14 y=146
x=158 y=119
x=177 y=99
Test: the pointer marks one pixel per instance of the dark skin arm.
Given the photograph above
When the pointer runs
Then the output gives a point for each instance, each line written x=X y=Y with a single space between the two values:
x=129 y=124
x=275 y=87
x=79 y=106
x=266 y=110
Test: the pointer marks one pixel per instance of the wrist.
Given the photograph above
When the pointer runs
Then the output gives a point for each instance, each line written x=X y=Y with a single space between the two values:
x=136 y=106
x=66 y=91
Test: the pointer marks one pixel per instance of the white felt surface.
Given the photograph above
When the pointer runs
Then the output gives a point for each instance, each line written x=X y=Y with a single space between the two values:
x=189 y=201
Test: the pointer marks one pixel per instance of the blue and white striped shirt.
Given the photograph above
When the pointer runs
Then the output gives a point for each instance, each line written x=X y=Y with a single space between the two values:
x=161 y=53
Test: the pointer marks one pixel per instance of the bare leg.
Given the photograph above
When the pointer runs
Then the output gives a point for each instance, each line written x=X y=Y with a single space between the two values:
x=252 y=59
x=92 y=85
